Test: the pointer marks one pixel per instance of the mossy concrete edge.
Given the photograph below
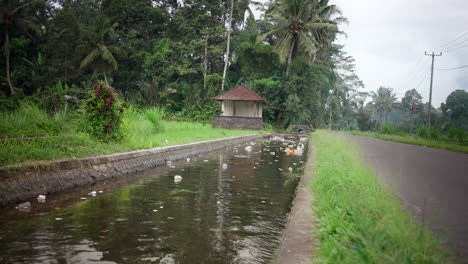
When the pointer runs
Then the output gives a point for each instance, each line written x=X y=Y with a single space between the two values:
x=19 y=185
x=298 y=241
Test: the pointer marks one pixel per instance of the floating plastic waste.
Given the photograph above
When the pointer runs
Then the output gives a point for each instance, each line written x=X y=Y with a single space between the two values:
x=177 y=178
x=24 y=207
x=41 y=198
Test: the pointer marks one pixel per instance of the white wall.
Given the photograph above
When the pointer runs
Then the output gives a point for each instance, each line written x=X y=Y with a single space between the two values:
x=241 y=108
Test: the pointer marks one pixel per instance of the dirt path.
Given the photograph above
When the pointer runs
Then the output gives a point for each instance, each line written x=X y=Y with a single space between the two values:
x=298 y=241
x=432 y=182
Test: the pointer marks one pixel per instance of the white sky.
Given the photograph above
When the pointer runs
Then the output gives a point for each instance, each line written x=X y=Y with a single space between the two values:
x=389 y=37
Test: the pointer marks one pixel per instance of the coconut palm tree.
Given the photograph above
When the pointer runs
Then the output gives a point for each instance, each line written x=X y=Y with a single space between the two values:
x=16 y=16
x=301 y=28
x=383 y=100
x=102 y=56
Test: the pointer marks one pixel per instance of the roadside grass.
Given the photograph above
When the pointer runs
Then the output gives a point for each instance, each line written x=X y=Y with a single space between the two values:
x=415 y=140
x=141 y=129
x=358 y=219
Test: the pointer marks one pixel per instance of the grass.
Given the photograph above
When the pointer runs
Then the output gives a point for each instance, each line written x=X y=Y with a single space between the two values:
x=358 y=219
x=415 y=140
x=141 y=129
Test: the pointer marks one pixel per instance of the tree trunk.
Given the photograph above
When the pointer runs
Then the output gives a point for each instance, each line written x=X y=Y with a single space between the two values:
x=105 y=78
x=290 y=56
x=205 y=64
x=228 y=46
x=386 y=113
x=7 y=61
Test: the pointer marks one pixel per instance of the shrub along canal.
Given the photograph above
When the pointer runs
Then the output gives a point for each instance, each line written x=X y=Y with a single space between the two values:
x=229 y=207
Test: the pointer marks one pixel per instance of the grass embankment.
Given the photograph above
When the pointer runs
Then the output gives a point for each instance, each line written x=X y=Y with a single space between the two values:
x=65 y=135
x=358 y=219
x=415 y=140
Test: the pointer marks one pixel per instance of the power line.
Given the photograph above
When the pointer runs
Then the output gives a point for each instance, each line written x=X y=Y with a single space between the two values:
x=450 y=42
x=450 y=50
x=422 y=80
x=451 y=69
x=455 y=45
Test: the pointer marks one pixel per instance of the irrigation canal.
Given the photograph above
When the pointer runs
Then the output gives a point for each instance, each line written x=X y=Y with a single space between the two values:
x=229 y=207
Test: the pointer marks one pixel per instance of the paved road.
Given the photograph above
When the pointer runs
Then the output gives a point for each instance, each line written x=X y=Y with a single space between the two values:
x=432 y=182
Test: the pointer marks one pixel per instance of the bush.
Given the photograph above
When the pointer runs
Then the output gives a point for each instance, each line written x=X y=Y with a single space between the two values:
x=155 y=116
x=461 y=135
x=434 y=133
x=29 y=121
x=422 y=132
x=452 y=132
x=103 y=112
x=388 y=129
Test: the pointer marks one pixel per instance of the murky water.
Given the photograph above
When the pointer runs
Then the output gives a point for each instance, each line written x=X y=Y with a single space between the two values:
x=232 y=213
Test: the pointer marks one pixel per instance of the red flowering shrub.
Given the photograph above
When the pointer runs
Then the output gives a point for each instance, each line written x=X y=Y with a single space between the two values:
x=103 y=112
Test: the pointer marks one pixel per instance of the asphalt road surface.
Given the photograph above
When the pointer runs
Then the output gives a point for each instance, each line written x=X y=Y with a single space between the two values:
x=433 y=183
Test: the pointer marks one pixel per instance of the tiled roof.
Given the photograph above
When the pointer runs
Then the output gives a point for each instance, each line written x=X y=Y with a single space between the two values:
x=240 y=93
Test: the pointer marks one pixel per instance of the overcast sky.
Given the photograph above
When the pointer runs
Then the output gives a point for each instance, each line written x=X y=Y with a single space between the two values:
x=388 y=39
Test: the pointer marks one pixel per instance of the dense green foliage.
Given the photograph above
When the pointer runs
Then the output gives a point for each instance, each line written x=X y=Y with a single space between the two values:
x=171 y=55
x=358 y=219
x=103 y=112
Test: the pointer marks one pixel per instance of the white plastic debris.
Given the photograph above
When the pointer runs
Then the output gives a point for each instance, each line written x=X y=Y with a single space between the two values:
x=93 y=193
x=41 y=198
x=177 y=178
x=225 y=166
x=25 y=205
x=290 y=169
x=188 y=159
x=248 y=148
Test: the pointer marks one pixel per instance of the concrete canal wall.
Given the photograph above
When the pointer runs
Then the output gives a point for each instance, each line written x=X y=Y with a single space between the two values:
x=26 y=183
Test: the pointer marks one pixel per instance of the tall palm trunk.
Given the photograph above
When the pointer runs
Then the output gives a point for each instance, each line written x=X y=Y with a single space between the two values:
x=105 y=78
x=7 y=61
x=290 y=56
x=228 y=46
x=386 y=114
x=205 y=64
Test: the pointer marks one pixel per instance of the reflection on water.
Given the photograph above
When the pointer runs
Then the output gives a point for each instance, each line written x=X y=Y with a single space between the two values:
x=232 y=213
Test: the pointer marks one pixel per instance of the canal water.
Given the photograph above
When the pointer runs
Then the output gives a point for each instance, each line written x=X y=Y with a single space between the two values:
x=229 y=207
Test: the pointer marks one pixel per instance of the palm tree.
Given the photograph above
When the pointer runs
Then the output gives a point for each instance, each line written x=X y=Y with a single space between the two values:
x=383 y=100
x=15 y=16
x=102 y=57
x=301 y=28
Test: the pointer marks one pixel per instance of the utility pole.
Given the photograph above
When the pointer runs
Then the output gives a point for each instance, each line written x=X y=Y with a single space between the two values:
x=430 y=90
